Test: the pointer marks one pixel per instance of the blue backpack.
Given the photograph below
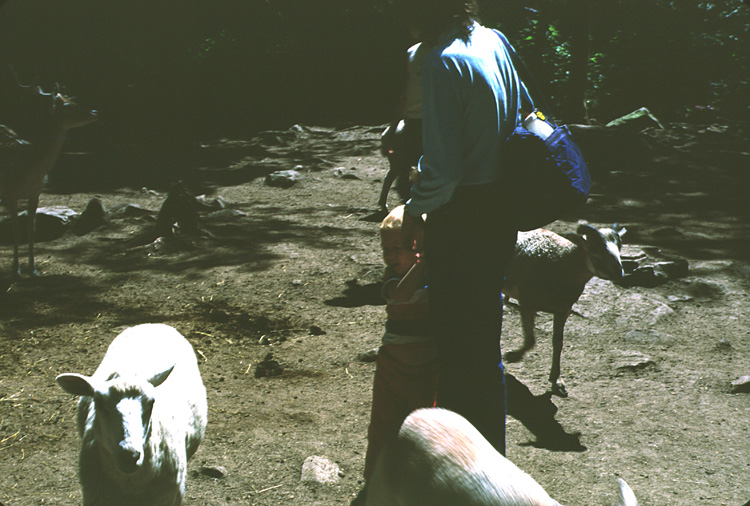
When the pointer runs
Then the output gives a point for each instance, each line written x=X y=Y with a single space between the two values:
x=543 y=179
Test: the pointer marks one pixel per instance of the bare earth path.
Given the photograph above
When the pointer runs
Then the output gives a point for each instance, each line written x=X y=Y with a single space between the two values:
x=293 y=273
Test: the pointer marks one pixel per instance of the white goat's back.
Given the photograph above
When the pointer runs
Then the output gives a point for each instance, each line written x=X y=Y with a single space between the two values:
x=145 y=351
x=440 y=459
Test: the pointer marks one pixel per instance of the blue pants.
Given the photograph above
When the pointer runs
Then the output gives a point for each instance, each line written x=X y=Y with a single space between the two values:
x=467 y=248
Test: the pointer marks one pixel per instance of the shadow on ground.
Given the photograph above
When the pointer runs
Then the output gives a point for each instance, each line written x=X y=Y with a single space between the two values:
x=537 y=414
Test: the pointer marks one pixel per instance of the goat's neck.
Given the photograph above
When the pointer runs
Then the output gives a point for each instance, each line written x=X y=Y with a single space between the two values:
x=586 y=276
x=49 y=145
x=583 y=255
x=44 y=150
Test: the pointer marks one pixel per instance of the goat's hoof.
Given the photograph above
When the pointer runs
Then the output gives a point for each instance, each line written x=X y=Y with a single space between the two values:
x=558 y=389
x=513 y=356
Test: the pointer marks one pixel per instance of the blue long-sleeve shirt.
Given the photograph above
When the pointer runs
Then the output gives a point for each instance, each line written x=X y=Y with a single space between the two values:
x=471 y=97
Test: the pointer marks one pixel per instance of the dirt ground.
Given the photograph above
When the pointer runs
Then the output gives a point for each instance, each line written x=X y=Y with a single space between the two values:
x=294 y=273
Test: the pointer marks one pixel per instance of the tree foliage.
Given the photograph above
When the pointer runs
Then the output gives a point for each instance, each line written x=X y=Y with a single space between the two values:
x=670 y=56
x=202 y=68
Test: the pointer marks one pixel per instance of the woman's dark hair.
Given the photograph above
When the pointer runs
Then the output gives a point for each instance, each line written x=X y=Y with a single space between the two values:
x=433 y=17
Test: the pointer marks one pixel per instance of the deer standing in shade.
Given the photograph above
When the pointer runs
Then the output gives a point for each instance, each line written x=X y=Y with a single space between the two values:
x=24 y=165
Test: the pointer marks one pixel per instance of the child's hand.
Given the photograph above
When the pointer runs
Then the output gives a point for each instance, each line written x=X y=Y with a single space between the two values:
x=412 y=231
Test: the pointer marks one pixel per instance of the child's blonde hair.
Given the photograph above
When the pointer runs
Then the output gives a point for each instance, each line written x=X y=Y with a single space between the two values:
x=394 y=220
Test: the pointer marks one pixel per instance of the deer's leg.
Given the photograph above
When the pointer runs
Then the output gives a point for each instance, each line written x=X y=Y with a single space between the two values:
x=527 y=322
x=13 y=214
x=390 y=177
x=33 y=204
x=558 y=386
x=399 y=166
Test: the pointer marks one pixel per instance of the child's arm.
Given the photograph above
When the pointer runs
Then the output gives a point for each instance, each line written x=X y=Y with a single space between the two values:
x=404 y=289
x=386 y=138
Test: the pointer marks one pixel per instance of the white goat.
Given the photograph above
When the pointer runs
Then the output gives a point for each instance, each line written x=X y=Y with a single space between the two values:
x=440 y=459
x=549 y=272
x=141 y=416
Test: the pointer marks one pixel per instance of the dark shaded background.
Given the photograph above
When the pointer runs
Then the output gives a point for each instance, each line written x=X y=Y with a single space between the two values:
x=167 y=75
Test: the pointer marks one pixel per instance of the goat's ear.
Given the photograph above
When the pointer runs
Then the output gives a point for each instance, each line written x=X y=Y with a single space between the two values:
x=160 y=378
x=76 y=384
x=619 y=229
x=626 y=497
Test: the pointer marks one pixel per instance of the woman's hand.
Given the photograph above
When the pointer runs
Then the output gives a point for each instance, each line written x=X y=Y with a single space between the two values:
x=412 y=231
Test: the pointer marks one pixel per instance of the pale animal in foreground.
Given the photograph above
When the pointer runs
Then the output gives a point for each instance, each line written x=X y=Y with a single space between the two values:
x=440 y=459
x=24 y=165
x=549 y=272
x=141 y=416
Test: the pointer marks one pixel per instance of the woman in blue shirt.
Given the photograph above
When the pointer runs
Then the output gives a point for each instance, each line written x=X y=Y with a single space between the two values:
x=471 y=100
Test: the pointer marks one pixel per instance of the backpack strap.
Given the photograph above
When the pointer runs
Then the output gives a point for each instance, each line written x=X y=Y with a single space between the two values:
x=527 y=78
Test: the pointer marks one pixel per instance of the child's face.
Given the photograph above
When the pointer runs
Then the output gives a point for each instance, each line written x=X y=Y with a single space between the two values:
x=396 y=256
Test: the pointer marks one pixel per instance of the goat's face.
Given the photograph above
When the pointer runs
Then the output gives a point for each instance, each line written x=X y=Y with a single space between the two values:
x=70 y=114
x=123 y=420
x=122 y=413
x=603 y=250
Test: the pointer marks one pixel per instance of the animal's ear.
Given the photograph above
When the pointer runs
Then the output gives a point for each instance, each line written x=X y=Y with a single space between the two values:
x=57 y=100
x=160 y=378
x=626 y=495
x=619 y=229
x=76 y=384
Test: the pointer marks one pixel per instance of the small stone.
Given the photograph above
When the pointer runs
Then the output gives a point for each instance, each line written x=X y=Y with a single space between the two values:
x=283 y=178
x=741 y=385
x=723 y=345
x=218 y=315
x=368 y=356
x=660 y=312
x=343 y=174
x=91 y=218
x=629 y=360
x=225 y=214
x=159 y=244
x=268 y=367
x=679 y=298
x=218 y=472
x=318 y=469
x=214 y=204
x=645 y=276
x=677 y=268
x=316 y=331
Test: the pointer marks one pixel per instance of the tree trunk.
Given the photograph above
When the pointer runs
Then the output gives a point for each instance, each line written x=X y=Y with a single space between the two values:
x=577 y=23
